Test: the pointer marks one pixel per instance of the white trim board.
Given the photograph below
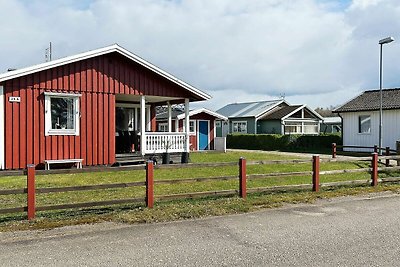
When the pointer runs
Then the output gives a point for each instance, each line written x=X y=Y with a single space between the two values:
x=2 y=128
x=200 y=110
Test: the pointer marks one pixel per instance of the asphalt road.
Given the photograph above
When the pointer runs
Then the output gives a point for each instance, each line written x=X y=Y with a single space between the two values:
x=362 y=231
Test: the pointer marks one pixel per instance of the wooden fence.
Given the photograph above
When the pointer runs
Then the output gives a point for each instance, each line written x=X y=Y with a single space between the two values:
x=242 y=176
x=385 y=150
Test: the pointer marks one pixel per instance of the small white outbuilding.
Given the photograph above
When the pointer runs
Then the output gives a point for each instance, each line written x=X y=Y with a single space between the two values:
x=360 y=118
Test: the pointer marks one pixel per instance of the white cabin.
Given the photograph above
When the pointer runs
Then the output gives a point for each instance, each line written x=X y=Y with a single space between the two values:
x=360 y=118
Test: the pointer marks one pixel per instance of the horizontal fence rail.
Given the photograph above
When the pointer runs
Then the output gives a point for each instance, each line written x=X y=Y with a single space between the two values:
x=241 y=177
x=382 y=150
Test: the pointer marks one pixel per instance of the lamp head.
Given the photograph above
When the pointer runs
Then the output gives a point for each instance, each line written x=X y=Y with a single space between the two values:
x=386 y=40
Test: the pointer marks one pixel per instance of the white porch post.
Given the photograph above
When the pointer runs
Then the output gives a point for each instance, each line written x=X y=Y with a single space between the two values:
x=169 y=117
x=142 y=125
x=187 y=124
x=2 y=132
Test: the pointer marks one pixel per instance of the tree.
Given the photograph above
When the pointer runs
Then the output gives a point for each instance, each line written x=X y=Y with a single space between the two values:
x=326 y=112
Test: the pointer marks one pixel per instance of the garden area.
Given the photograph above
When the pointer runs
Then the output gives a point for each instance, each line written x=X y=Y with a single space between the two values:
x=167 y=183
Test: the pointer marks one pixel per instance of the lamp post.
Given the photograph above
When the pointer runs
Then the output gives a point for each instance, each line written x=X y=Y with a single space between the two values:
x=381 y=42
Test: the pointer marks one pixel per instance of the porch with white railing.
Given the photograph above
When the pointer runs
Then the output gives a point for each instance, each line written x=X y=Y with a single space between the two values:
x=160 y=142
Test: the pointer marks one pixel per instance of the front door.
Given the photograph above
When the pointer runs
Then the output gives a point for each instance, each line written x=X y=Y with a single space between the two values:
x=203 y=135
x=126 y=136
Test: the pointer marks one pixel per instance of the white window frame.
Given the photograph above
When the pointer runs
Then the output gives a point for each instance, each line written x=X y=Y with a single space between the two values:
x=47 y=103
x=162 y=125
x=194 y=127
x=359 y=124
x=238 y=122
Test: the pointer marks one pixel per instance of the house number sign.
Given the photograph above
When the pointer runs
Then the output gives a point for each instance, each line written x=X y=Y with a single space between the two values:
x=15 y=99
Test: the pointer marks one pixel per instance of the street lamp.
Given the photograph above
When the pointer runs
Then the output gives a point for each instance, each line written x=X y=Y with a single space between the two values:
x=381 y=42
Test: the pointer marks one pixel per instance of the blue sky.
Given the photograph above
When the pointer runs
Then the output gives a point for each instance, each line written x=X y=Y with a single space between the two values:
x=315 y=52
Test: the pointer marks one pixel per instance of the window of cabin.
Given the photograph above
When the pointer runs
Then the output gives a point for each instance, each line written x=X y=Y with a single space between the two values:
x=61 y=114
x=239 y=126
x=192 y=127
x=163 y=127
x=364 y=124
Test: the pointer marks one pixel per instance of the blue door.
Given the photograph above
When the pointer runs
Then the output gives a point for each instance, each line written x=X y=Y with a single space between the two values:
x=203 y=135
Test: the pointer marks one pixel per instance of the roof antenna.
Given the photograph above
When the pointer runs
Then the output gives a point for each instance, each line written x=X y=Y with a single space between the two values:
x=282 y=95
x=47 y=55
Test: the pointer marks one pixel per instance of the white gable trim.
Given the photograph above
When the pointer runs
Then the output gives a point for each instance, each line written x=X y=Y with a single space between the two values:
x=201 y=110
x=305 y=107
x=98 y=52
x=2 y=132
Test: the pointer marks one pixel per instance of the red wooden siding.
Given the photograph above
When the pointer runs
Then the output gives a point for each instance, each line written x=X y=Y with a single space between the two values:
x=98 y=80
x=193 y=138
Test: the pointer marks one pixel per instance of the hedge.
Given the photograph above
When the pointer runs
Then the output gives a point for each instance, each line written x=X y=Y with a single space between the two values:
x=282 y=142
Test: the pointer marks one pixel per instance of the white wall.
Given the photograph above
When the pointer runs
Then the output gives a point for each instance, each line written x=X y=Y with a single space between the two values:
x=2 y=132
x=390 y=130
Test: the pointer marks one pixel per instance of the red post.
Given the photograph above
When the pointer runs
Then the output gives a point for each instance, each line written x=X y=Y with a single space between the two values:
x=387 y=163
x=149 y=184
x=315 y=175
x=242 y=178
x=31 y=191
x=333 y=150
x=375 y=149
x=374 y=171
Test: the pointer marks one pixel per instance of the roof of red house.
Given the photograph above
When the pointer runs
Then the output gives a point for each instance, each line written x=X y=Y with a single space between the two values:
x=98 y=52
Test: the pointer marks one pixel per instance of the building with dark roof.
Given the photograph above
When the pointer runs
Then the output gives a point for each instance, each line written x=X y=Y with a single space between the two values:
x=269 y=117
x=360 y=119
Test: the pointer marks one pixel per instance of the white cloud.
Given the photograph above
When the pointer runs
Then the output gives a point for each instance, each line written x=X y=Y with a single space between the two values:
x=319 y=52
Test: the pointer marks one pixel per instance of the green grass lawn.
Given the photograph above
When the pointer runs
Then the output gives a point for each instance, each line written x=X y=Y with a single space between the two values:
x=57 y=180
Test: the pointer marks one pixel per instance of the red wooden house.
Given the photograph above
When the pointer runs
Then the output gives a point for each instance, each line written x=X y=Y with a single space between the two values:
x=91 y=106
x=202 y=126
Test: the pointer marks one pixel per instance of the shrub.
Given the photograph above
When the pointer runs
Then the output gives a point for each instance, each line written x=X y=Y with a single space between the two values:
x=282 y=142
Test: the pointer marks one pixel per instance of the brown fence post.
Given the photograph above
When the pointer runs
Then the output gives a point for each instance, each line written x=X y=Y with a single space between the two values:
x=242 y=178
x=315 y=175
x=387 y=154
x=333 y=150
x=149 y=184
x=31 y=191
x=374 y=171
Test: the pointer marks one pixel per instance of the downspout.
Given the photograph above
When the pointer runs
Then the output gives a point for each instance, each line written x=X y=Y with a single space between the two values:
x=341 y=118
x=255 y=126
